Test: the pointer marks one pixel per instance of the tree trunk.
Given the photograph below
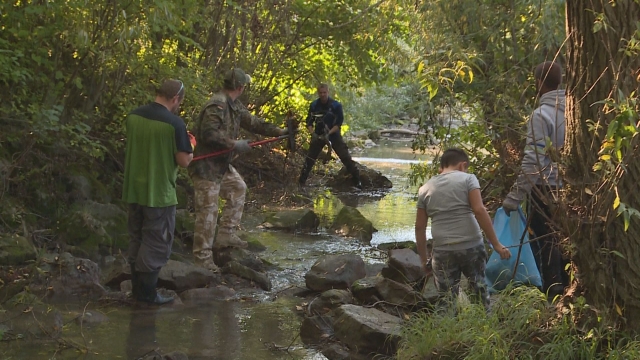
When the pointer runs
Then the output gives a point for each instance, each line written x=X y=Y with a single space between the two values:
x=604 y=254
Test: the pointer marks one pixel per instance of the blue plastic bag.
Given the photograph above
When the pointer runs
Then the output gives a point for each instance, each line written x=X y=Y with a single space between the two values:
x=509 y=230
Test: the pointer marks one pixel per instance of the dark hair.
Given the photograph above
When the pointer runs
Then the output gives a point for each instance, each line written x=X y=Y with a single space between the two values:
x=550 y=73
x=171 y=88
x=453 y=157
x=323 y=86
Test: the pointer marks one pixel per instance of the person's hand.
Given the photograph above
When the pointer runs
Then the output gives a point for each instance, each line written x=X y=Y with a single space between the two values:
x=315 y=137
x=509 y=205
x=283 y=132
x=192 y=140
x=241 y=146
x=503 y=252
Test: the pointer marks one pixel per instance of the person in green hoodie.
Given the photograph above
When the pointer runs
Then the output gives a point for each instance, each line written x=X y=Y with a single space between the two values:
x=538 y=177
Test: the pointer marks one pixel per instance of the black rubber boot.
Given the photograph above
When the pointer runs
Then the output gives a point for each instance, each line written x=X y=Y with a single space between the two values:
x=147 y=289
x=135 y=282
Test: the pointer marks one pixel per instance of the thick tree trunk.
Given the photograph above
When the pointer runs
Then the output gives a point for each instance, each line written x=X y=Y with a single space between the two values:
x=605 y=255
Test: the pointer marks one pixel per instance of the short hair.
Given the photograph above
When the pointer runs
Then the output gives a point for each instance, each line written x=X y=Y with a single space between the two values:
x=323 y=86
x=235 y=78
x=550 y=73
x=453 y=157
x=171 y=88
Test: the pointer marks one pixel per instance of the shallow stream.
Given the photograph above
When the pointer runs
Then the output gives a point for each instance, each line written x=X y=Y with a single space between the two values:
x=264 y=327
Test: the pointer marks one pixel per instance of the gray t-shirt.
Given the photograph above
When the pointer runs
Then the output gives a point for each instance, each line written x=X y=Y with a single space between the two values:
x=445 y=197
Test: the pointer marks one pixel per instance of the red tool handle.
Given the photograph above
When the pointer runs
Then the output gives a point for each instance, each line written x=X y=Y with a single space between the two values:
x=226 y=151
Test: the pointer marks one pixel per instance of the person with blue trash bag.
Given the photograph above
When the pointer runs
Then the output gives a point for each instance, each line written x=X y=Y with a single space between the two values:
x=453 y=201
x=538 y=178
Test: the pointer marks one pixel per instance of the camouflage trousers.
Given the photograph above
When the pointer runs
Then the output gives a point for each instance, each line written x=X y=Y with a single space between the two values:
x=207 y=193
x=449 y=265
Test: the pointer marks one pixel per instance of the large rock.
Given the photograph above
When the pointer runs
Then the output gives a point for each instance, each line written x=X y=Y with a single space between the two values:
x=242 y=256
x=63 y=275
x=335 y=272
x=351 y=223
x=367 y=330
x=370 y=179
x=234 y=267
x=92 y=225
x=180 y=276
x=301 y=220
x=16 y=250
x=398 y=245
x=330 y=300
x=365 y=290
x=398 y=294
x=316 y=329
x=403 y=266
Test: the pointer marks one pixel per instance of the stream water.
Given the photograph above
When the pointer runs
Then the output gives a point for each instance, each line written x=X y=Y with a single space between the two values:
x=261 y=327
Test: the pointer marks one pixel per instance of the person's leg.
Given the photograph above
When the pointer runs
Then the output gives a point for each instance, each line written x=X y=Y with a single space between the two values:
x=446 y=272
x=342 y=150
x=546 y=245
x=206 y=206
x=134 y=225
x=473 y=263
x=157 y=238
x=233 y=189
x=315 y=147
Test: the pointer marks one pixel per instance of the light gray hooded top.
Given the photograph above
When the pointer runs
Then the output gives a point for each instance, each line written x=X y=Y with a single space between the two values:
x=545 y=139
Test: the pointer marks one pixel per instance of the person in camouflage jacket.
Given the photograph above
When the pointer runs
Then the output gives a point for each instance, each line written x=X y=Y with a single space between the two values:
x=217 y=128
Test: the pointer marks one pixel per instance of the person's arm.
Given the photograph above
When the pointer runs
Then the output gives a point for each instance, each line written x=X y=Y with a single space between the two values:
x=339 y=118
x=258 y=125
x=183 y=159
x=212 y=130
x=310 y=119
x=421 y=236
x=535 y=152
x=184 y=149
x=484 y=220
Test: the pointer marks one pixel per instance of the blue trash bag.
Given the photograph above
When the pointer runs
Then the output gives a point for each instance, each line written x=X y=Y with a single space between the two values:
x=499 y=272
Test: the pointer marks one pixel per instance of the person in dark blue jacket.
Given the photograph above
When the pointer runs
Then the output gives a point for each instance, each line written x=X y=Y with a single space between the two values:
x=323 y=122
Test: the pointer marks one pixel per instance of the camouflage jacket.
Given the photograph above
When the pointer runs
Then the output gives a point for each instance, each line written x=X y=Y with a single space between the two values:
x=216 y=128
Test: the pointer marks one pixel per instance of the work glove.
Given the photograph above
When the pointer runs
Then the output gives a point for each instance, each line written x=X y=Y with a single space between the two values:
x=241 y=146
x=192 y=140
x=509 y=205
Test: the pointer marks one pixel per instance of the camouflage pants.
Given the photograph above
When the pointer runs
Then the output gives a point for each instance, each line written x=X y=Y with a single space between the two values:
x=448 y=265
x=233 y=190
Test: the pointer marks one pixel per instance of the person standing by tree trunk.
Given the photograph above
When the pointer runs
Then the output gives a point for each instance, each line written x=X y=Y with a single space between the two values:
x=217 y=129
x=323 y=122
x=538 y=177
x=157 y=143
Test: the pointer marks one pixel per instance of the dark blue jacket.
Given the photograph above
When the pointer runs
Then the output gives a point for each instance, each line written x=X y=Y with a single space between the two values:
x=331 y=115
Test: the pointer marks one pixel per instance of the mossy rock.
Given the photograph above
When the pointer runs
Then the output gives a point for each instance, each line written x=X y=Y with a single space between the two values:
x=16 y=250
x=91 y=225
x=351 y=223
x=293 y=220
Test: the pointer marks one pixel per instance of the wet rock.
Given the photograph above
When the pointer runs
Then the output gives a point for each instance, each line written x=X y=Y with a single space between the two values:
x=226 y=255
x=301 y=220
x=175 y=355
x=335 y=272
x=367 y=330
x=403 y=266
x=374 y=269
x=91 y=318
x=398 y=245
x=350 y=222
x=316 y=329
x=398 y=294
x=330 y=300
x=91 y=225
x=370 y=179
x=64 y=274
x=180 y=276
x=208 y=294
x=117 y=273
x=16 y=250
x=365 y=290
x=335 y=351
x=233 y=267
x=27 y=317
x=126 y=286
x=254 y=244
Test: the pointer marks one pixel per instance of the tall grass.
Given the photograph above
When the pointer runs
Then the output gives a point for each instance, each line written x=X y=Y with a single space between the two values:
x=520 y=325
